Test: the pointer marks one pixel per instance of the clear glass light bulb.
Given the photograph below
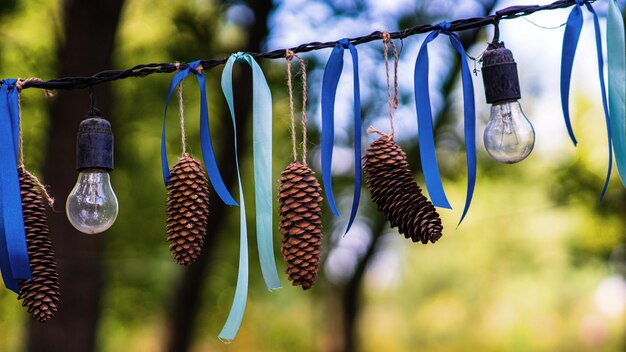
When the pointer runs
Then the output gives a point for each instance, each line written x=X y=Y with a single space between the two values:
x=92 y=206
x=509 y=137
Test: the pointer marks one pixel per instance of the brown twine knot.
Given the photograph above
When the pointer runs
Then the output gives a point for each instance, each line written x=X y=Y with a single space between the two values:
x=289 y=55
x=22 y=83
x=388 y=136
x=386 y=37
x=42 y=187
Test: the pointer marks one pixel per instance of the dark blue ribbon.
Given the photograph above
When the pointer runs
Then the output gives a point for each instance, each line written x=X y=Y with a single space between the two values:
x=426 y=138
x=570 y=42
x=14 y=262
x=205 y=134
x=332 y=73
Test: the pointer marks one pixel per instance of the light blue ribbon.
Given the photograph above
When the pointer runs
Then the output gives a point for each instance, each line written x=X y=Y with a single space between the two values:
x=426 y=139
x=205 y=134
x=616 y=60
x=332 y=73
x=14 y=261
x=262 y=154
x=570 y=42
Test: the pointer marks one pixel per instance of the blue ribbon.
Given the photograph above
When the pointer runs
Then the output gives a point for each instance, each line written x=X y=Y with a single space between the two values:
x=616 y=60
x=430 y=168
x=205 y=134
x=14 y=262
x=332 y=73
x=570 y=42
x=262 y=154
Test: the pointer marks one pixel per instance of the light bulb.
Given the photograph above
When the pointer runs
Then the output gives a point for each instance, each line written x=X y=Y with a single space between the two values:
x=92 y=205
x=509 y=136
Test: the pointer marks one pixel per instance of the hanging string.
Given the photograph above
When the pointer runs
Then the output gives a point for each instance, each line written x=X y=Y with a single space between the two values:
x=304 y=94
x=393 y=103
x=181 y=112
x=20 y=140
x=289 y=55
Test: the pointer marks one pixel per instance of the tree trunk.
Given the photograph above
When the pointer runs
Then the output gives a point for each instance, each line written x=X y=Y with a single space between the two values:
x=351 y=293
x=185 y=304
x=87 y=47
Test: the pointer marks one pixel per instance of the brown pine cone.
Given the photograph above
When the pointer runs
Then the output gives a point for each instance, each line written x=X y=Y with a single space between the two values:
x=187 y=209
x=300 y=213
x=397 y=195
x=40 y=295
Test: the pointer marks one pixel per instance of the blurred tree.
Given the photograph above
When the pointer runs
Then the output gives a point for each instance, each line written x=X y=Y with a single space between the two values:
x=7 y=7
x=87 y=46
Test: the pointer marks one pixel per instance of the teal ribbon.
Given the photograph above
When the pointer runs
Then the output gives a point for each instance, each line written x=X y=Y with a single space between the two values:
x=616 y=60
x=262 y=154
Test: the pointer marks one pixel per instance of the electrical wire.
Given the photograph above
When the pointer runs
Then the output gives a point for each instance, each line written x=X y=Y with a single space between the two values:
x=142 y=70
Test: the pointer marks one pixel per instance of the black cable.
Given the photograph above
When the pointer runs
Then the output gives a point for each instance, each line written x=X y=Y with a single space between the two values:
x=143 y=70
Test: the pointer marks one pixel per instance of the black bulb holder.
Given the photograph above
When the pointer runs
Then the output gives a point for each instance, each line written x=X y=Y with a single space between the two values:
x=500 y=74
x=94 y=143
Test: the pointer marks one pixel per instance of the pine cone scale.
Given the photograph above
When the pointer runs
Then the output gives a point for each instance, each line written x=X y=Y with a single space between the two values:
x=187 y=210
x=299 y=196
x=397 y=195
x=39 y=294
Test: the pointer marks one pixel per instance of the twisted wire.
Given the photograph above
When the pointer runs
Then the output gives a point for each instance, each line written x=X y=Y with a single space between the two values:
x=142 y=70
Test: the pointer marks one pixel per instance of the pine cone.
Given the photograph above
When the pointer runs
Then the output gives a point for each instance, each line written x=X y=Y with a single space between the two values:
x=40 y=294
x=300 y=196
x=187 y=209
x=397 y=195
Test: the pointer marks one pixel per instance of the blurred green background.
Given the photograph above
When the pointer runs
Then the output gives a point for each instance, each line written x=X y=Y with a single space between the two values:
x=536 y=266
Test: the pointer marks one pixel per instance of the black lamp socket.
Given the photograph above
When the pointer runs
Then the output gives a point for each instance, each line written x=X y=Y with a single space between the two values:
x=500 y=74
x=94 y=144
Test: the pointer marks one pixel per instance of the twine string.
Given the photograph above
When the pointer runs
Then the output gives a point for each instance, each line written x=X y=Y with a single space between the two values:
x=42 y=187
x=393 y=102
x=304 y=94
x=181 y=112
x=20 y=140
x=289 y=55
x=371 y=129
x=21 y=83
